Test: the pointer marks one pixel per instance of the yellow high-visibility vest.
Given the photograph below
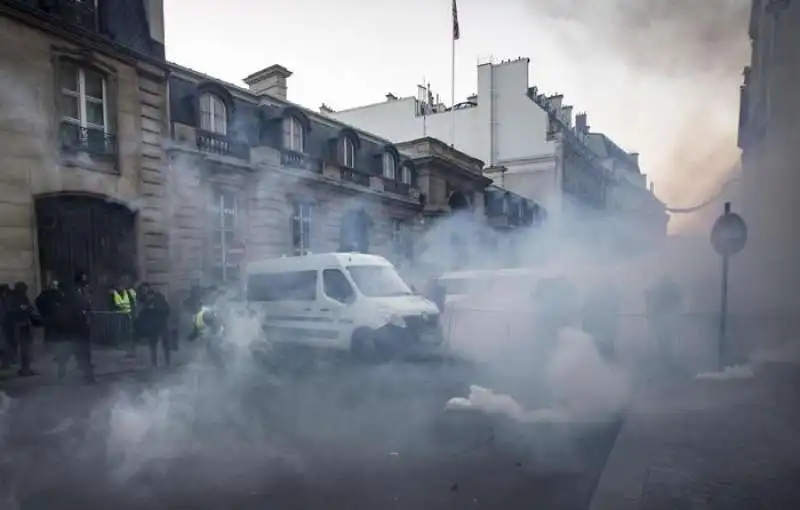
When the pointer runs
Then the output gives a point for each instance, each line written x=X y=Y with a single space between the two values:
x=125 y=300
x=199 y=320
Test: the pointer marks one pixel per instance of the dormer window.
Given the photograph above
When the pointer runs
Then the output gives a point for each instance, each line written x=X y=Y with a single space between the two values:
x=293 y=134
x=347 y=152
x=405 y=175
x=389 y=165
x=213 y=114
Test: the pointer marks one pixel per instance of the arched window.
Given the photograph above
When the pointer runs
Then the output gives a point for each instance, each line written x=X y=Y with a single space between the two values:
x=293 y=134
x=389 y=165
x=347 y=152
x=213 y=114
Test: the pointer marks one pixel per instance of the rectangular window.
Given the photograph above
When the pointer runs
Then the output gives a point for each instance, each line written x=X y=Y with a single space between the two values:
x=402 y=248
x=301 y=228
x=291 y=286
x=405 y=175
x=224 y=215
x=84 y=96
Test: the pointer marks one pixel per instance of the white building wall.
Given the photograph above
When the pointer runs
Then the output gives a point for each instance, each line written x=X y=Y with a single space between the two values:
x=506 y=128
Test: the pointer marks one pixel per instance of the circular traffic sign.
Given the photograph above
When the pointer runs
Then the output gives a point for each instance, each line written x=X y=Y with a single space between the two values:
x=236 y=251
x=729 y=234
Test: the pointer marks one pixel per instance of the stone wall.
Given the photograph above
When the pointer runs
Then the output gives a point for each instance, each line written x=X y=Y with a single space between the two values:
x=29 y=150
x=267 y=193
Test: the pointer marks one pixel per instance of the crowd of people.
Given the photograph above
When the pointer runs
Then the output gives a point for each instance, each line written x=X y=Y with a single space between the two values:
x=67 y=314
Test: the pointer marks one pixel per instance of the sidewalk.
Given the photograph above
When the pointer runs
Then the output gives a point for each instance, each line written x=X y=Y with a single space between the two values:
x=107 y=361
x=731 y=444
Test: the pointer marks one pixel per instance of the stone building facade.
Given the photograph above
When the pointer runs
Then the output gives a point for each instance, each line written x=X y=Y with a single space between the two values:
x=82 y=89
x=765 y=276
x=252 y=175
x=255 y=176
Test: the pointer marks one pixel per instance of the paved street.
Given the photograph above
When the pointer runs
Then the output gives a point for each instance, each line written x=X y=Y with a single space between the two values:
x=724 y=445
x=333 y=437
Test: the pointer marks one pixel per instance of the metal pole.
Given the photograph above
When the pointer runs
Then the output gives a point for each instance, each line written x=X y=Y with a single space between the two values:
x=723 y=312
x=453 y=93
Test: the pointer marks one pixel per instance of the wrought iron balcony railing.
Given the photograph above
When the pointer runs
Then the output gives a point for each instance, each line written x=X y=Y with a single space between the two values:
x=393 y=186
x=90 y=140
x=220 y=144
x=292 y=159
x=355 y=177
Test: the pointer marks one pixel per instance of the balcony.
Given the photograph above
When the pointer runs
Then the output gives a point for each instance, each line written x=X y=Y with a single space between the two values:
x=82 y=13
x=356 y=177
x=392 y=186
x=298 y=160
x=214 y=143
x=92 y=141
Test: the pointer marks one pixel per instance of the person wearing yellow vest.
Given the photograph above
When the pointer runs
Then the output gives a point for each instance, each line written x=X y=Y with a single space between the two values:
x=207 y=328
x=123 y=301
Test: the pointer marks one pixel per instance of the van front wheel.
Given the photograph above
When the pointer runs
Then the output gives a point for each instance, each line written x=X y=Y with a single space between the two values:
x=363 y=347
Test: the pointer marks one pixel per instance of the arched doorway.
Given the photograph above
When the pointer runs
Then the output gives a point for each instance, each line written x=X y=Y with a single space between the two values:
x=78 y=232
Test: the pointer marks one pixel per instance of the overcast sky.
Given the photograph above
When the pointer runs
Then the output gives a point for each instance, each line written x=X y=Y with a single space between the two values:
x=352 y=52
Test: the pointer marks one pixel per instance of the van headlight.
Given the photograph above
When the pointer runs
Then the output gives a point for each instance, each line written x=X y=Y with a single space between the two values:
x=397 y=321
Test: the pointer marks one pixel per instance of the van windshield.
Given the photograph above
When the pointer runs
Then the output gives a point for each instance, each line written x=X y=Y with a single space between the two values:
x=378 y=281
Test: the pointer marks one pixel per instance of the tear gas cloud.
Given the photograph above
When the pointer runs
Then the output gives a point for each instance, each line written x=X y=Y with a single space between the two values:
x=258 y=421
x=676 y=67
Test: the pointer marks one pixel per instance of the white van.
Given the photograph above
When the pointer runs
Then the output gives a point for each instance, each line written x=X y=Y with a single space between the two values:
x=343 y=301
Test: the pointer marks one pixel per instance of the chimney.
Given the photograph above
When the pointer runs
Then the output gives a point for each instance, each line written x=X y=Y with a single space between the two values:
x=652 y=187
x=580 y=124
x=391 y=97
x=555 y=101
x=473 y=98
x=325 y=109
x=635 y=157
x=270 y=81
x=566 y=115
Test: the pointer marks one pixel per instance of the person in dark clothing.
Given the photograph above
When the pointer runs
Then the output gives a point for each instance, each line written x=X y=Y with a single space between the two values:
x=20 y=319
x=76 y=330
x=153 y=321
x=664 y=302
x=5 y=351
x=601 y=317
x=52 y=307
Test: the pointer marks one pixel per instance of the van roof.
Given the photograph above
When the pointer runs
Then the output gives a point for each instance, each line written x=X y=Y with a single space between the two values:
x=314 y=261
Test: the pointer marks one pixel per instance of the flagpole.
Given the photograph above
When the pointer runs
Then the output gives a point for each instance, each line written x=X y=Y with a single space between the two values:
x=453 y=93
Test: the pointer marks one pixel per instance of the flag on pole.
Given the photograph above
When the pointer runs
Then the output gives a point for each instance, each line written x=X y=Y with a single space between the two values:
x=456 y=31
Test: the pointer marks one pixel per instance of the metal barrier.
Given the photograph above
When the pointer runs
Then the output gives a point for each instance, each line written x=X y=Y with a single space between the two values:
x=693 y=342
x=110 y=328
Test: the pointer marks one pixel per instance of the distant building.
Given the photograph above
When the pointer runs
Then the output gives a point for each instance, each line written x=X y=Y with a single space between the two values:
x=531 y=145
x=82 y=116
x=766 y=275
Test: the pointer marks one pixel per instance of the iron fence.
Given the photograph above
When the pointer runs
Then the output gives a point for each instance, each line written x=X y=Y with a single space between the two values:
x=110 y=328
